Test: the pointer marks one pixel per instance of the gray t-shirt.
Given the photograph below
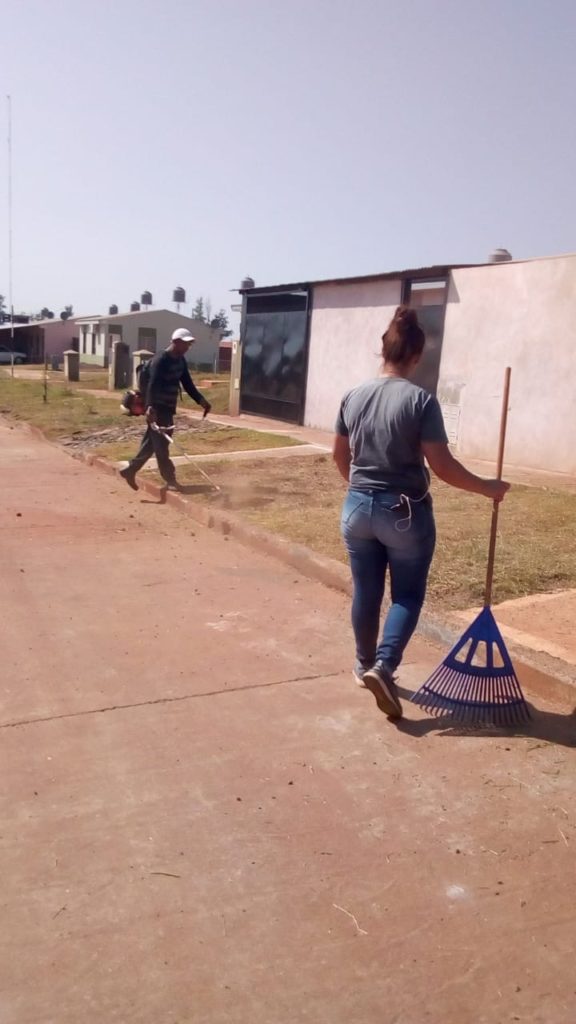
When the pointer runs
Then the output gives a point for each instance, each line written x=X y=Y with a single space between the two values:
x=386 y=421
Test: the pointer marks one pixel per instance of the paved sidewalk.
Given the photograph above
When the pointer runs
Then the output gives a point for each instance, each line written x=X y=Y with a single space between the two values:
x=541 y=622
x=206 y=822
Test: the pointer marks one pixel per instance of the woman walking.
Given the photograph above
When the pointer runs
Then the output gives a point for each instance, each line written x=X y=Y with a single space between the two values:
x=385 y=429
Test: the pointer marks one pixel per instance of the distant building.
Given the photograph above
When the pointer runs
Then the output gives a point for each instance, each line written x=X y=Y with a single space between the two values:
x=144 y=329
x=38 y=339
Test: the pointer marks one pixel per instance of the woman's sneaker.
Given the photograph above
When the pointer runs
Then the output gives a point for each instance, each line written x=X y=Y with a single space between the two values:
x=380 y=682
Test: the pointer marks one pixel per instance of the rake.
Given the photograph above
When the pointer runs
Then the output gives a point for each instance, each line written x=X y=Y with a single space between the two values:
x=476 y=683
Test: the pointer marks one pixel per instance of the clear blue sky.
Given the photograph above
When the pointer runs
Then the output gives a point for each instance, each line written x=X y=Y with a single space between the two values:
x=190 y=142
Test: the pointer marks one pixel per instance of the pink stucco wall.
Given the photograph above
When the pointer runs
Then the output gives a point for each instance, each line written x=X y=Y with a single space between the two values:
x=58 y=335
x=522 y=315
x=347 y=324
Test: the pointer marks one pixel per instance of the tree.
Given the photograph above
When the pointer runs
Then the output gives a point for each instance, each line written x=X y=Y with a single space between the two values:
x=66 y=313
x=198 y=310
x=220 y=323
x=46 y=314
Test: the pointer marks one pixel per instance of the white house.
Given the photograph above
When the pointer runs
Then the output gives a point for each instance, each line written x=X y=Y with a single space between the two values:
x=145 y=329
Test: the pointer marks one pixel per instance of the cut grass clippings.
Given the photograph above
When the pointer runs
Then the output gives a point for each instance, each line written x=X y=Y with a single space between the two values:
x=200 y=438
x=300 y=499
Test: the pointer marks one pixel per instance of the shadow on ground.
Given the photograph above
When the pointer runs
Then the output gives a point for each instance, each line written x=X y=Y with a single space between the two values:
x=548 y=726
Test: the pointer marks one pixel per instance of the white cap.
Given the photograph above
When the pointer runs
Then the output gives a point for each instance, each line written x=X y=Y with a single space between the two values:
x=182 y=335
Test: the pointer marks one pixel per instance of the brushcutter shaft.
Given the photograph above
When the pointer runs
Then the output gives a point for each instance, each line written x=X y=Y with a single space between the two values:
x=166 y=432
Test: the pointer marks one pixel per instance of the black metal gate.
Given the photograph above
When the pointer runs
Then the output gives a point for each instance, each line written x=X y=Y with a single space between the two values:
x=275 y=355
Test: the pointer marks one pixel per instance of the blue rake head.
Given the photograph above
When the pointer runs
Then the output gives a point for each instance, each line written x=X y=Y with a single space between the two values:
x=476 y=682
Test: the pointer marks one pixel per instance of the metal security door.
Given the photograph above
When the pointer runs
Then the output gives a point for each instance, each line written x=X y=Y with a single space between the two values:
x=275 y=355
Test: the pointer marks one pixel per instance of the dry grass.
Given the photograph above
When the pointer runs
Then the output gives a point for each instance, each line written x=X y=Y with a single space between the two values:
x=66 y=411
x=86 y=421
x=300 y=498
x=217 y=391
x=95 y=379
x=216 y=386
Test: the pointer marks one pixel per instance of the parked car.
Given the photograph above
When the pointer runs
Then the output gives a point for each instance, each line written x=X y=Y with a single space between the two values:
x=6 y=355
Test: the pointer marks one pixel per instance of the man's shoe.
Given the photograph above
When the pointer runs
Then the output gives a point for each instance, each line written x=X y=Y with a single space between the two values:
x=129 y=477
x=173 y=486
x=380 y=682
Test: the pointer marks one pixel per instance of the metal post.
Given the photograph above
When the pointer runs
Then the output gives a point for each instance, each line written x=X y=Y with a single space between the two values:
x=10 y=300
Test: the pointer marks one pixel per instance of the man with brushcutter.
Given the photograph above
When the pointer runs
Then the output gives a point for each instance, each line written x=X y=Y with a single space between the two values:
x=168 y=372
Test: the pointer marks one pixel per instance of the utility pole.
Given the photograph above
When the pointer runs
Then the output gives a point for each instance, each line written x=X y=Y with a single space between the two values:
x=10 y=296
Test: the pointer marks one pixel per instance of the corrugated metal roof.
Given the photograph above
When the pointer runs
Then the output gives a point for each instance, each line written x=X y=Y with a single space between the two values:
x=418 y=273
x=32 y=323
x=415 y=274
x=41 y=323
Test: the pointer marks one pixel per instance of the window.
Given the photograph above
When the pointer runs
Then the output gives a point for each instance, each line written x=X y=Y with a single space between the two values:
x=425 y=293
x=147 y=338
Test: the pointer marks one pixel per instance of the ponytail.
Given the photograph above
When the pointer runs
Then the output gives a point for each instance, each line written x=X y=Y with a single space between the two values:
x=404 y=337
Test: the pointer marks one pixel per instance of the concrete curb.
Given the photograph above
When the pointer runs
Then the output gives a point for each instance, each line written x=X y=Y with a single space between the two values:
x=541 y=674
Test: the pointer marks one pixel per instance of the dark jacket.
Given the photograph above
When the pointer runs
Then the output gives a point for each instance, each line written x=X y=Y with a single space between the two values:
x=167 y=373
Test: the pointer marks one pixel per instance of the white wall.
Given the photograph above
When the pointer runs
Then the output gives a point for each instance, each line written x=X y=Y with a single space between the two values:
x=346 y=329
x=521 y=315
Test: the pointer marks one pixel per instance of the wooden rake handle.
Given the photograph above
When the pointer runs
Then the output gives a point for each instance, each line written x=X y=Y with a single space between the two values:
x=496 y=505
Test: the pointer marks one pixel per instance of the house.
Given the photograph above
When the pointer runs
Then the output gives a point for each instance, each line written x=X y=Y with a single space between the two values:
x=303 y=345
x=144 y=329
x=39 y=339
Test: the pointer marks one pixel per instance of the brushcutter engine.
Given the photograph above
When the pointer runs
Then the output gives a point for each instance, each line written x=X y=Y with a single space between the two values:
x=133 y=403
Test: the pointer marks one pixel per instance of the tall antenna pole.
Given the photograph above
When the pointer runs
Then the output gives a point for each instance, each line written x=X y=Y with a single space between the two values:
x=10 y=295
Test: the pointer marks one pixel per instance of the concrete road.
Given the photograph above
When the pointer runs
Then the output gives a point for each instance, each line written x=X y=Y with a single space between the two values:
x=205 y=822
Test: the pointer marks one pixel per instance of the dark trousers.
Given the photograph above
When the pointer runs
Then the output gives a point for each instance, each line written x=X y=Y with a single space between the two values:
x=154 y=443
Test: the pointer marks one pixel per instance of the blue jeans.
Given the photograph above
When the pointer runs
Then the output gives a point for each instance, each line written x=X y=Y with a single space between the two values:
x=379 y=535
